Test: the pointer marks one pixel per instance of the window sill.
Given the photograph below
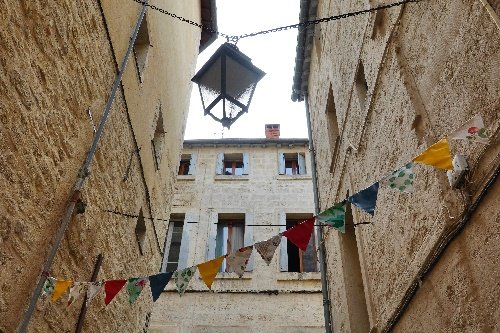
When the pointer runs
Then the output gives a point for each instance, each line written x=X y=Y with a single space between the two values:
x=186 y=177
x=293 y=177
x=294 y=276
x=233 y=276
x=231 y=177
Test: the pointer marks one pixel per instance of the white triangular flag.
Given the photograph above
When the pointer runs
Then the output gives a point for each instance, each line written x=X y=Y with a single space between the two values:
x=75 y=291
x=93 y=289
x=238 y=260
x=267 y=248
x=473 y=130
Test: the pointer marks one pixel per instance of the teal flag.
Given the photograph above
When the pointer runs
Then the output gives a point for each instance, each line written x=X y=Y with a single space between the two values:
x=334 y=216
x=134 y=288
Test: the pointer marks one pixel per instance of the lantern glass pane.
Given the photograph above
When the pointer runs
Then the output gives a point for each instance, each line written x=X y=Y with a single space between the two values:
x=240 y=81
x=210 y=83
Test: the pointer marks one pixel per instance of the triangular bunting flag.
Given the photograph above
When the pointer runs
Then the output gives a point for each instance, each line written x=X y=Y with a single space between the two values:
x=75 y=291
x=473 y=130
x=111 y=288
x=437 y=155
x=366 y=199
x=267 y=248
x=157 y=284
x=59 y=288
x=401 y=179
x=238 y=261
x=134 y=288
x=48 y=288
x=93 y=289
x=334 y=216
x=183 y=277
x=208 y=270
x=301 y=233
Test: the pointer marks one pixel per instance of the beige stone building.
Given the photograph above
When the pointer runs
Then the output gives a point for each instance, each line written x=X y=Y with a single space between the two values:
x=59 y=59
x=380 y=88
x=232 y=193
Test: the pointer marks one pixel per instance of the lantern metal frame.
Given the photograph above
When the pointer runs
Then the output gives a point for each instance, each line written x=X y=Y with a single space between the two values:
x=223 y=52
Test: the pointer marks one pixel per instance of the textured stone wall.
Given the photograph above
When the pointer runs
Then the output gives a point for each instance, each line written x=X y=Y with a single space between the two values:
x=265 y=299
x=57 y=60
x=429 y=67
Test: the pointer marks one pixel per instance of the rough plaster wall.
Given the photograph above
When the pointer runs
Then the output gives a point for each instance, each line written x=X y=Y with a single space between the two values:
x=442 y=59
x=56 y=62
x=264 y=194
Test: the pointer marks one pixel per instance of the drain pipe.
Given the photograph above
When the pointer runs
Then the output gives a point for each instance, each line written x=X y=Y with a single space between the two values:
x=322 y=254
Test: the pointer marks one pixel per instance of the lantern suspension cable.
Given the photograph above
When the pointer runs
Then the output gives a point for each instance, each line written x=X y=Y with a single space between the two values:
x=235 y=38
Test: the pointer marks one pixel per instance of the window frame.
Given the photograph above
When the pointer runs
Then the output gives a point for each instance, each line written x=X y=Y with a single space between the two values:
x=174 y=218
x=227 y=243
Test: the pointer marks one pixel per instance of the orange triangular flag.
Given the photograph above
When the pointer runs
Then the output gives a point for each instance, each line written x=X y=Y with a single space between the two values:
x=208 y=270
x=437 y=155
x=59 y=288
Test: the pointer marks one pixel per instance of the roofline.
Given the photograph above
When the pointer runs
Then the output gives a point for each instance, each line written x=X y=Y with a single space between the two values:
x=308 y=11
x=245 y=142
x=208 y=17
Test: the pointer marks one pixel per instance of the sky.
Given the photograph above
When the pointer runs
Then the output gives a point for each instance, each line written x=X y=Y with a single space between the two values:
x=273 y=53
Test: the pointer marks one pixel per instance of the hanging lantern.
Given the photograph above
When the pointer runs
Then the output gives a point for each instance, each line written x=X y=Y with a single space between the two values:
x=227 y=83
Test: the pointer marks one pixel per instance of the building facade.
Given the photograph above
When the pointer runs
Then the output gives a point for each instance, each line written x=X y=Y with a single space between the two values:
x=57 y=66
x=232 y=193
x=380 y=88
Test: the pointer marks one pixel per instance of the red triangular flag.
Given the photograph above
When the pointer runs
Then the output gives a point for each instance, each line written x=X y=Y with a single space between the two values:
x=112 y=287
x=301 y=233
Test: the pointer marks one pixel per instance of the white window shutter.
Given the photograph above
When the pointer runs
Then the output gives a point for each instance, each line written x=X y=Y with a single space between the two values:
x=283 y=245
x=219 y=165
x=302 y=163
x=281 y=163
x=246 y=163
x=212 y=235
x=192 y=164
x=184 y=249
x=249 y=238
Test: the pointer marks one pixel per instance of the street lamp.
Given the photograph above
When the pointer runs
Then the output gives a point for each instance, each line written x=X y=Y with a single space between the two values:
x=227 y=83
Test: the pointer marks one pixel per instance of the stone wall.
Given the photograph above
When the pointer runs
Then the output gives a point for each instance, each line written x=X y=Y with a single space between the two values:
x=57 y=60
x=429 y=67
x=265 y=299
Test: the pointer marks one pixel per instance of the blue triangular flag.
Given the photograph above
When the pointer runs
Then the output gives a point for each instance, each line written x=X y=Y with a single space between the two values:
x=158 y=282
x=366 y=199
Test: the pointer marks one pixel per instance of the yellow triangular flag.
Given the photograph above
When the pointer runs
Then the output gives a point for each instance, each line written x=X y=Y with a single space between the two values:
x=59 y=288
x=208 y=270
x=437 y=155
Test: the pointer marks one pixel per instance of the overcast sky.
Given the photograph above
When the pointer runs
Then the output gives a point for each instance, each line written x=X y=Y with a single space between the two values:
x=273 y=53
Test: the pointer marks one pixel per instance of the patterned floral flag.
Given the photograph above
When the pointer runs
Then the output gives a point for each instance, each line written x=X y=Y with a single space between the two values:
x=93 y=289
x=59 y=288
x=75 y=291
x=238 y=261
x=134 y=288
x=158 y=282
x=366 y=199
x=301 y=233
x=183 y=277
x=267 y=248
x=111 y=288
x=401 y=179
x=334 y=216
x=473 y=130
x=208 y=270
x=48 y=288
x=437 y=155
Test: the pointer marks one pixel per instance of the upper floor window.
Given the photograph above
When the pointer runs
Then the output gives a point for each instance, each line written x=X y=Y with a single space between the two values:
x=235 y=164
x=187 y=165
x=173 y=243
x=332 y=128
x=158 y=141
x=140 y=232
x=230 y=237
x=292 y=164
x=141 y=48
x=361 y=85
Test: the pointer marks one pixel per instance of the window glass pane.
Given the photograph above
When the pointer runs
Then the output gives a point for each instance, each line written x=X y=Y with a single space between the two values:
x=238 y=171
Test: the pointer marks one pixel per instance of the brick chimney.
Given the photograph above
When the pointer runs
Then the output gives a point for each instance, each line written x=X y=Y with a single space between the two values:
x=272 y=131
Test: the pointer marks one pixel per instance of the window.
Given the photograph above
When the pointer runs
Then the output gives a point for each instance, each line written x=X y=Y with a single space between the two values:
x=298 y=260
x=173 y=243
x=235 y=164
x=187 y=165
x=141 y=48
x=361 y=85
x=333 y=128
x=230 y=236
x=140 y=232
x=379 y=26
x=292 y=163
x=158 y=141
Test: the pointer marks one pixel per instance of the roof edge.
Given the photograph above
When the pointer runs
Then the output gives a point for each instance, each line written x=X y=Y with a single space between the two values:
x=208 y=15
x=246 y=141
